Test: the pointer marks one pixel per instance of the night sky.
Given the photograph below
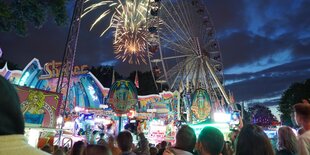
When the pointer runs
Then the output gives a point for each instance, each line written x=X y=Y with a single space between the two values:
x=265 y=46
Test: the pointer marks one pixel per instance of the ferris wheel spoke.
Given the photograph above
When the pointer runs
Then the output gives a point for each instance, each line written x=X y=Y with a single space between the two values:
x=188 y=70
x=176 y=57
x=176 y=47
x=176 y=36
x=178 y=22
x=177 y=67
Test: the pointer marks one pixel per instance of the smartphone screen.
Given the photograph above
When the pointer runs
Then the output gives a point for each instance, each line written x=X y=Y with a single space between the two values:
x=235 y=118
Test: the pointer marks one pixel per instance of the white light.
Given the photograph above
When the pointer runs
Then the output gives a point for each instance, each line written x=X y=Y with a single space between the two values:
x=59 y=120
x=69 y=125
x=103 y=121
x=78 y=109
x=92 y=93
x=33 y=137
x=23 y=80
x=103 y=106
x=221 y=117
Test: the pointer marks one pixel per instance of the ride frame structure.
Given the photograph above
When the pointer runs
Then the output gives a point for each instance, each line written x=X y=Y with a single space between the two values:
x=64 y=80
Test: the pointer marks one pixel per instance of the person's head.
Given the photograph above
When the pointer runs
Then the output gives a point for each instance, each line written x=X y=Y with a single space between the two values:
x=210 y=141
x=47 y=148
x=124 y=141
x=253 y=140
x=186 y=138
x=78 y=148
x=286 y=139
x=163 y=144
x=153 y=151
x=59 y=152
x=97 y=149
x=302 y=113
x=11 y=117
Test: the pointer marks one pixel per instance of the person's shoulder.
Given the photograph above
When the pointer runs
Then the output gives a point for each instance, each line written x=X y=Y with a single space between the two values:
x=305 y=135
x=180 y=152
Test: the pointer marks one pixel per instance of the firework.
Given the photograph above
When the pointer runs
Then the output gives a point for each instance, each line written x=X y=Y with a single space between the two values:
x=129 y=22
x=130 y=32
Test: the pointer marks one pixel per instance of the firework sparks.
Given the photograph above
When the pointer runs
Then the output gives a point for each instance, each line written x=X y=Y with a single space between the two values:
x=129 y=21
x=130 y=32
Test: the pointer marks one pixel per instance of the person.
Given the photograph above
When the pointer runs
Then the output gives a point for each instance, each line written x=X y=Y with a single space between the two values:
x=227 y=150
x=111 y=143
x=59 y=152
x=12 y=126
x=153 y=151
x=47 y=148
x=302 y=117
x=210 y=141
x=185 y=141
x=97 y=149
x=124 y=141
x=253 y=140
x=286 y=141
x=163 y=146
x=78 y=148
x=143 y=144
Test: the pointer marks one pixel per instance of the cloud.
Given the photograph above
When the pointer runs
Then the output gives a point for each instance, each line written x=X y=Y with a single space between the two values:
x=267 y=84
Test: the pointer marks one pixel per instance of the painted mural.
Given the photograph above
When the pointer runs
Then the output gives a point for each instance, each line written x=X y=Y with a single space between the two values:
x=40 y=108
x=201 y=104
x=122 y=96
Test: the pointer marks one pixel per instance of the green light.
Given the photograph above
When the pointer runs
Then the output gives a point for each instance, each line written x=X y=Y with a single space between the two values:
x=223 y=127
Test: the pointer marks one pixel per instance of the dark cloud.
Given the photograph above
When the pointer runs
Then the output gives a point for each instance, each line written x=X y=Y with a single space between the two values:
x=227 y=15
x=270 y=82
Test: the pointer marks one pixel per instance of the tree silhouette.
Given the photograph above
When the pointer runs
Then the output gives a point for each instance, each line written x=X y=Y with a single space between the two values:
x=261 y=115
x=294 y=94
x=146 y=82
x=104 y=75
x=15 y=15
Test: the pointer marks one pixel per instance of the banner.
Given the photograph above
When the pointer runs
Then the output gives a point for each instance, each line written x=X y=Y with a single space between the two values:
x=201 y=104
x=40 y=108
x=122 y=96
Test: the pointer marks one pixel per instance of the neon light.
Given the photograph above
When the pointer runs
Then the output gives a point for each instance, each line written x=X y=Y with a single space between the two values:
x=92 y=92
x=223 y=127
x=23 y=80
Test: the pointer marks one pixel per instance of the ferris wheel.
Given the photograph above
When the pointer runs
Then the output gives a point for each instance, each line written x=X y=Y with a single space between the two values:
x=183 y=51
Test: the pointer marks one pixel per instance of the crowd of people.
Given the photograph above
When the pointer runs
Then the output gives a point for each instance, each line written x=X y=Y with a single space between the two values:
x=248 y=140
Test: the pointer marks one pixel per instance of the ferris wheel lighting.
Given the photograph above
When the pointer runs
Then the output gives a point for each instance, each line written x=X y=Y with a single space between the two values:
x=156 y=60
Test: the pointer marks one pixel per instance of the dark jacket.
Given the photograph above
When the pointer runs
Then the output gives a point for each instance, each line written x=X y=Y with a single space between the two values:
x=11 y=117
x=285 y=152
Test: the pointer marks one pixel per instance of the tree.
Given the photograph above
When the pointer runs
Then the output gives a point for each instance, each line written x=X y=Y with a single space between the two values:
x=261 y=115
x=104 y=75
x=146 y=82
x=11 y=65
x=16 y=15
x=294 y=94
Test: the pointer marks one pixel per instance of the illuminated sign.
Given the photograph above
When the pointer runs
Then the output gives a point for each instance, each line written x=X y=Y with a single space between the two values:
x=53 y=68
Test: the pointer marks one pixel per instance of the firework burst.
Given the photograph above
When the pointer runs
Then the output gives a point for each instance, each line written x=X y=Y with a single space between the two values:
x=128 y=18
x=130 y=32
